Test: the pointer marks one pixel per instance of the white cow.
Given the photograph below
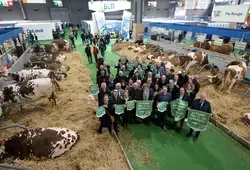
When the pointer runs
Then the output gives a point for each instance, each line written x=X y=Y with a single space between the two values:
x=30 y=91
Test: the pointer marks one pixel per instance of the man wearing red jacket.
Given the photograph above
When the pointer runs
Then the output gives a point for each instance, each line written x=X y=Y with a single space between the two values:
x=95 y=52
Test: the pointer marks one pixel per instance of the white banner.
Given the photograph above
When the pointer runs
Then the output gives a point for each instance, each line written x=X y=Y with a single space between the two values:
x=109 y=6
x=101 y=22
x=180 y=10
x=43 y=31
x=230 y=13
x=202 y=4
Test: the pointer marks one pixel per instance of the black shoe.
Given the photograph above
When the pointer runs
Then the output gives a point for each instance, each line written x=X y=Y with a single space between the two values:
x=195 y=139
x=188 y=134
x=99 y=131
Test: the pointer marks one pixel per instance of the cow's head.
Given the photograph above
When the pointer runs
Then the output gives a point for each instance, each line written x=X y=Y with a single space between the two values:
x=214 y=79
x=14 y=76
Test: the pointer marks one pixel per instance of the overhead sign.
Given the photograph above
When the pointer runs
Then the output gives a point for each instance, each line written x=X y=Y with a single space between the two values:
x=190 y=4
x=202 y=4
x=34 y=1
x=58 y=3
x=230 y=13
x=6 y=3
x=109 y=6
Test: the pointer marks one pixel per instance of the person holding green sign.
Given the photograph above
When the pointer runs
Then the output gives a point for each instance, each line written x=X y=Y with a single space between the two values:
x=107 y=120
x=202 y=105
x=128 y=109
x=164 y=96
x=182 y=96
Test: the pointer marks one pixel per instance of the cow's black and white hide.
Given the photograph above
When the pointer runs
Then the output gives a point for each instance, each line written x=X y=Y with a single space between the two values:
x=30 y=74
x=57 y=67
x=30 y=91
x=50 y=48
x=39 y=142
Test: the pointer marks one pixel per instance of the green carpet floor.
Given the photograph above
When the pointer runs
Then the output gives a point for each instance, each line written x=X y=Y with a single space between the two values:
x=150 y=148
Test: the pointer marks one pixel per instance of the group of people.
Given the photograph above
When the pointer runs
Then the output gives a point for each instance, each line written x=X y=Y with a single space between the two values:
x=101 y=46
x=137 y=81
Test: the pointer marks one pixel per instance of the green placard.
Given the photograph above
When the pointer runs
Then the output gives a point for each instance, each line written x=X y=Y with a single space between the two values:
x=94 y=89
x=198 y=120
x=218 y=42
x=126 y=73
x=119 y=109
x=153 y=67
x=135 y=63
x=130 y=66
x=178 y=109
x=123 y=59
x=144 y=66
x=143 y=109
x=162 y=106
x=130 y=105
x=141 y=73
x=100 y=111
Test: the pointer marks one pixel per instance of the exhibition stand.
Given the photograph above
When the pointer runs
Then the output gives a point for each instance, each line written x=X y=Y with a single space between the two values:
x=13 y=44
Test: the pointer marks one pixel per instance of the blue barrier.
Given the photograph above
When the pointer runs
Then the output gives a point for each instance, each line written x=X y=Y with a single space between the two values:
x=227 y=32
x=9 y=33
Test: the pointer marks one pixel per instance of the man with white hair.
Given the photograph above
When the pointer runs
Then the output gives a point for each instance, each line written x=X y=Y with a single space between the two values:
x=121 y=92
x=120 y=77
x=139 y=83
x=202 y=105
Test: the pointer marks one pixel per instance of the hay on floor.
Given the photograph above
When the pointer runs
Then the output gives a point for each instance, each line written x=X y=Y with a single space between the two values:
x=75 y=111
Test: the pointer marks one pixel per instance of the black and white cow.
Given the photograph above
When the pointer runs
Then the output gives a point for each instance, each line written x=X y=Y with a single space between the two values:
x=30 y=74
x=39 y=142
x=30 y=91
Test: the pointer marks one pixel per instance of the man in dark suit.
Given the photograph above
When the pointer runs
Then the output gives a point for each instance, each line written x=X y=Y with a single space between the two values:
x=182 y=79
x=102 y=92
x=203 y=105
x=173 y=89
x=164 y=96
x=135 y=94
x=162 y=81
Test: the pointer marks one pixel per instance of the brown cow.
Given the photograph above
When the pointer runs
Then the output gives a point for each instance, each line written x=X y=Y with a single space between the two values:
x=200 y=58
x=235 y=71
x=224 y=49
x=205 y=44
x=155 y=54
x=205 y=80
x=63 y=45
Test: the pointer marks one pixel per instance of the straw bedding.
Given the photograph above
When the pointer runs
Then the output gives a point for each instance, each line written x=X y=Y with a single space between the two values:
x=75 y=111
x=227 y=109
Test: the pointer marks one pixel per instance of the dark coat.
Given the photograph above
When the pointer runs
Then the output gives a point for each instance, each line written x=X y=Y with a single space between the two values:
x=185 y=97
x=119 y=79
x=196 y=85
x=135 y=94
x=191 y=96
x=182 y=80
x=206 y=107
x=101 y=96
x=161 y=84
x=88 y=51
x=174 y=91
x=101 y=79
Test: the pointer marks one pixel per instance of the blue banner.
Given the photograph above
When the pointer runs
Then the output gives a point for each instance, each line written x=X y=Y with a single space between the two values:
x=126 y=21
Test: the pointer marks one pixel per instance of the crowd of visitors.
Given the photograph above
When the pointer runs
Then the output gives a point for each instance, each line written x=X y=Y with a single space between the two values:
x=137 y=81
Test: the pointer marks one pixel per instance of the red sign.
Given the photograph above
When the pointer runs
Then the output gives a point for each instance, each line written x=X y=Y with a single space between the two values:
x=10 y=3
